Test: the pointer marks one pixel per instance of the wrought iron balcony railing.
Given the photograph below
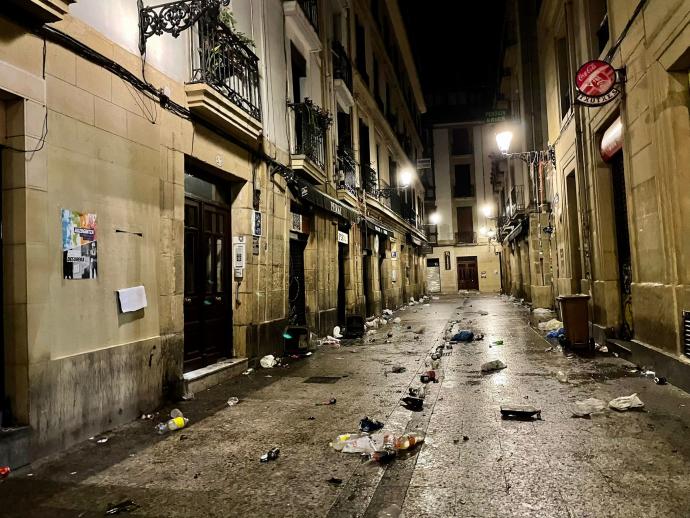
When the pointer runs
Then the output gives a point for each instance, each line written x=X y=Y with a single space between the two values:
x=311 y=123
x=342 y=68
x=311 y=11
x=225 y=63
x=466 y=237
x=347 y=176
x=370 y=179
x=517 y=197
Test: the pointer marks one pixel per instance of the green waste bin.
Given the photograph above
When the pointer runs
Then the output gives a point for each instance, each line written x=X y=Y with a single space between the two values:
x=575 y=315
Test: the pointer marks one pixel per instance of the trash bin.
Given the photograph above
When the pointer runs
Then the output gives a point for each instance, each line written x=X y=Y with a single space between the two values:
x=575 y=316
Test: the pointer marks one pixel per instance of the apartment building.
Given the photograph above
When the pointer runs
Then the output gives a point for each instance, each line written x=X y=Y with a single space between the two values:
x=466 y=253
x=617 y=184
x=183 y=182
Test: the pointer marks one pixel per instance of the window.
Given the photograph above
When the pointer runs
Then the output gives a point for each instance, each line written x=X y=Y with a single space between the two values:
x=360 y=38
x=465 y=225
x=375 y=79
x=563 y=75
x=598 y=25
x=463 y=181
x=461 y=141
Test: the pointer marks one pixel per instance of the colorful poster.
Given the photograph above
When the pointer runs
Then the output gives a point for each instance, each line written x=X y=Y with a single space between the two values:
x=79 y=252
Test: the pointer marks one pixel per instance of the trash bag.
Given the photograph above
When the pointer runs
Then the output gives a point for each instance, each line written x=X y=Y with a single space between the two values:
x=336 y=332
x=493 y=365
x=588 y=406
x=463 y=336
x=268 y=362
x=550 y=325
x=625 y=403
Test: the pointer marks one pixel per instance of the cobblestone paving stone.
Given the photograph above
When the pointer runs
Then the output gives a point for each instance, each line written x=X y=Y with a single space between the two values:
x=614 y=464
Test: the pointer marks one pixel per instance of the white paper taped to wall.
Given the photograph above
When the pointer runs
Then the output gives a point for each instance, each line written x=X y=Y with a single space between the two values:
x=132 y=299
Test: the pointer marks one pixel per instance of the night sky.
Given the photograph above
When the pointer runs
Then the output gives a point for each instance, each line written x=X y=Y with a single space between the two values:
x=456 y=42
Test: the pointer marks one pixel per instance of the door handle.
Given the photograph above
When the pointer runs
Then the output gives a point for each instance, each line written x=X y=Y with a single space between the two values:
x=219 y=299
x=187 y=300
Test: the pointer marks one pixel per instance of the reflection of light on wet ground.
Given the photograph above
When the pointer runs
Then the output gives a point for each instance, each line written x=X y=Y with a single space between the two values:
x=499 y=378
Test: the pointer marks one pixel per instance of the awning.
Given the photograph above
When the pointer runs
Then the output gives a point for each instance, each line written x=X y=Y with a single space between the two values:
x=374 y=225
x=414 y=240
x=303 y=190
x=612 y=140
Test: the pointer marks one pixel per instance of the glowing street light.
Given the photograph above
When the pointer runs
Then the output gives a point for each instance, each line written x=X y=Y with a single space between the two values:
x=503 y=140
x=487 y=210
x=434 y=218
x=405 y=177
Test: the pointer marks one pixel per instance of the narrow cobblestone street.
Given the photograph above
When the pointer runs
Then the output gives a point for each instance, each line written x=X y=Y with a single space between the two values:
x=614 y=464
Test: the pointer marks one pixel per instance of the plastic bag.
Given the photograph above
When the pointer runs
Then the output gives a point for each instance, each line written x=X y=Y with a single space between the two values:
x=494 y=365
x=624 y=403
x=269 y=361
x=588 y=406
x=550 y=325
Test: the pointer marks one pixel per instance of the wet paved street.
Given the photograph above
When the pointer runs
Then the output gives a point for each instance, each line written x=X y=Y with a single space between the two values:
x=614 y=464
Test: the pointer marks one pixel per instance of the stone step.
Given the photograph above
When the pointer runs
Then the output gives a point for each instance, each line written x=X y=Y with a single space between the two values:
x=201 y=379
x=14 y=446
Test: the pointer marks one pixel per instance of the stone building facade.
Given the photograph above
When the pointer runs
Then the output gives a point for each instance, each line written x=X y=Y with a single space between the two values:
x=466 y=253
x=209 y=154
x=619 y=208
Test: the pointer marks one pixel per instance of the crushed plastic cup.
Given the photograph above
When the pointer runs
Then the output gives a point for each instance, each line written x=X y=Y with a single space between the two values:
x=232 y=401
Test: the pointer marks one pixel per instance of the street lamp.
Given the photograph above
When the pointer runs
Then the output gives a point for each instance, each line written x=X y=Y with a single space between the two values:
x=487 y=210
x=503 y=140
x=404 y=179
x=434 y=218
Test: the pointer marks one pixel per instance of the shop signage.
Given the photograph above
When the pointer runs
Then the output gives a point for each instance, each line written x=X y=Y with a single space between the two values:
x=343 y=237
x=495 y=116
x=596 y=83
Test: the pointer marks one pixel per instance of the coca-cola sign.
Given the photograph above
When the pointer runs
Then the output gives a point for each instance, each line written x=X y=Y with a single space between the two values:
x=596 y=83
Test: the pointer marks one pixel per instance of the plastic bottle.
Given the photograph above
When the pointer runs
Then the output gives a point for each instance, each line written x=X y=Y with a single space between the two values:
x=408 y=440
x=172 y=424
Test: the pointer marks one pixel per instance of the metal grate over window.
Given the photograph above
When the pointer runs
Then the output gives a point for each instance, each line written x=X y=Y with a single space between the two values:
x=686 y=333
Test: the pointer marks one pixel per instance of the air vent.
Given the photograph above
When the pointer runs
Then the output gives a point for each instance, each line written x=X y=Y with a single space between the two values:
x=686 y=333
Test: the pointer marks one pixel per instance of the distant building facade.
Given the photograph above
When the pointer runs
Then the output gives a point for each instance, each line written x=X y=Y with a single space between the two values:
x=465 y=254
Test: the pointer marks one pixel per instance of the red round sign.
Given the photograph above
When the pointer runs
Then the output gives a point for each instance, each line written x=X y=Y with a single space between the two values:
x=595 y=78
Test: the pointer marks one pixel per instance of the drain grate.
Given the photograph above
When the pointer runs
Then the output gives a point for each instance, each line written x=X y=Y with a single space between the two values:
x=322 y=379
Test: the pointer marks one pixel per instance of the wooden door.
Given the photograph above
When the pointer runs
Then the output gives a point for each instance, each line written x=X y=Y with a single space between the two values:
x=468 y=278
x=207 y=297
x=465 y=225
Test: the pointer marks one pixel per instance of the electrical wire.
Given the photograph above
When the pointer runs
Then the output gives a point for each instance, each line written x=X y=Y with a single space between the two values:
x=44 y=130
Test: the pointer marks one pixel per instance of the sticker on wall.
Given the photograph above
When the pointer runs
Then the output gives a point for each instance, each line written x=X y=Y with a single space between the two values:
x=79 y=249
x=394 y=255
x=483 y=274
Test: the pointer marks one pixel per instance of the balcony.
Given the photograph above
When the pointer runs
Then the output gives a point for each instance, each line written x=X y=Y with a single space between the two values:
x=516 y=201
x=43 y=11
x=303 y=17
x=465 y=237
x=346 y=172
x=309 y=149
x=225 y=81
x=370 y=180
x=342 y=75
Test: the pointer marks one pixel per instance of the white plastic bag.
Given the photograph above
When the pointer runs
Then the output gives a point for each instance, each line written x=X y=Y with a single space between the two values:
x=588 y=406
x=551 y=325
x=268 y=361
x=624 y=403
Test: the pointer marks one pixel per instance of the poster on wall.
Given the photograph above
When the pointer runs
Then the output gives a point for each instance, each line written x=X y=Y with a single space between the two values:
x=79 y=252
